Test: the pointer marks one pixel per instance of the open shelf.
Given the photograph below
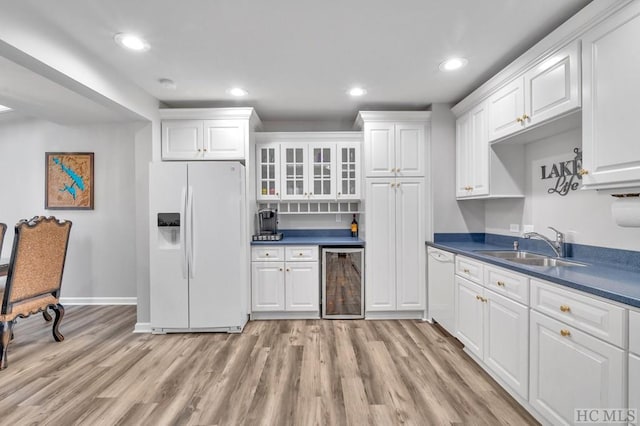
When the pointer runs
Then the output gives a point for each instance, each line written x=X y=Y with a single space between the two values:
x=313 y=207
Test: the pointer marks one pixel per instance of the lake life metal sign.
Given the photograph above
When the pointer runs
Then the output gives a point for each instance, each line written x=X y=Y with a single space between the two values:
x=564 y=175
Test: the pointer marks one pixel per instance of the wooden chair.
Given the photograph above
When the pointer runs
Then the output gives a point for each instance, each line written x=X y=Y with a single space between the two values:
x=34 y=276
x=3 y=268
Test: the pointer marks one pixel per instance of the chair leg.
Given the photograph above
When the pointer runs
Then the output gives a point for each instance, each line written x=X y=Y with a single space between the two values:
x=5 y=338
x=59 y=311
x=46 y=315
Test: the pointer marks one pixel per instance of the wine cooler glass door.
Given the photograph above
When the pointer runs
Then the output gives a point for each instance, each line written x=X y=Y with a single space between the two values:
x=343 y=283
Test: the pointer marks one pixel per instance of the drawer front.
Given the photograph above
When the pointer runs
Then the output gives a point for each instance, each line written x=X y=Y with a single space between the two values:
x=267 y=253
x=634 y=333
x=301 y=253
x=600 y=319
x=509 y=284
x=469 y=269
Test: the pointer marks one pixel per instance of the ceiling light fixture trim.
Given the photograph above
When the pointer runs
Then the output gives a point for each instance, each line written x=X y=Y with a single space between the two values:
x=237 y=91
x=132 y=42
x=357 y=91
x=453 y=64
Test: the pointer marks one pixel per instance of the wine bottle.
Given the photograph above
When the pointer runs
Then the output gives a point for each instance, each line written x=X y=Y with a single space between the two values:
x=354 y=227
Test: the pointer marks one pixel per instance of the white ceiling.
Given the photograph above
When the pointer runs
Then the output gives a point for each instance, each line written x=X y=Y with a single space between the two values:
x=297 y=58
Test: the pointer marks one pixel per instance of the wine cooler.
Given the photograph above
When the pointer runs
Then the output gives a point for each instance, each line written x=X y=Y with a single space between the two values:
x=343 y=283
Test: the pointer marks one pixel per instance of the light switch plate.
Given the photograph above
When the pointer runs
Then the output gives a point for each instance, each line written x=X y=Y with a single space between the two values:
x=514 y=227
x=527 y=228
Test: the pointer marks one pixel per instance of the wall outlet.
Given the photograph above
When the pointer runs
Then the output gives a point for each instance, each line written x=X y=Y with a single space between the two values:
x=527 y=228
x=514 y=227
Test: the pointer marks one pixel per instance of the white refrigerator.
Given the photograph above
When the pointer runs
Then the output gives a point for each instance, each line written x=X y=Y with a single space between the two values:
x=198 y=247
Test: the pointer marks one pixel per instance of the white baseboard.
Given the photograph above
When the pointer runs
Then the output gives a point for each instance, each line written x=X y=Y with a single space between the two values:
x=99 y=300
x=142 y=327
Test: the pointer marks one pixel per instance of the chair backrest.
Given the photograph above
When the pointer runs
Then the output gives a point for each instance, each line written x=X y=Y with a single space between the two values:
x=3 y=229
x=37 y=259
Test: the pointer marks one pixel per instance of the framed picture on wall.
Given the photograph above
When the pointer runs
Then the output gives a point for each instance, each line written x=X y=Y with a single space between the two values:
x=69 y=181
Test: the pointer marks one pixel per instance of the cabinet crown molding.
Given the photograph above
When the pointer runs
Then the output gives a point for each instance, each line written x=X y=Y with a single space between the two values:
x=211 y=114
x=404 y=116
x=571 y=30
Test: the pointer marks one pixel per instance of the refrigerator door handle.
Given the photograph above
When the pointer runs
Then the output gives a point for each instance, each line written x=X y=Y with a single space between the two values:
x=190 y=257
x=183 y=233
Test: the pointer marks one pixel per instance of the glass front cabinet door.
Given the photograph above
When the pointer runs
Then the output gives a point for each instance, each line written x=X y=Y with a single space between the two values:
x=294 y=173
x=348 y=173
x=268 y=159
x=322 y=172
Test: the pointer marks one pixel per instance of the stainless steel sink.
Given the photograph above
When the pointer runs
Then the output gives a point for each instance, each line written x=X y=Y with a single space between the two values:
x=546 y=261
x=512 y=254
x=530 y=259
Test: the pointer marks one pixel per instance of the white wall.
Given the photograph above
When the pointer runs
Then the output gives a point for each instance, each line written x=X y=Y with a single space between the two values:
x=101 y=259
x=584 y=216
x=449 y=215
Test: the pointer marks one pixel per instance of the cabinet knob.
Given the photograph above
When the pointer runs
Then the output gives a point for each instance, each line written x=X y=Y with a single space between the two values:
x=305 y=194
x=339 y=194
x=277 y=193
x=565 y=333
x=500 y=283
x=288 y=269
x=525 y=117
x=478 y=297
x=280 y=269
x=583 y=172
x=393 y=184
x=266 y=254
x=466 y=271
x=485 y=300
x=205 y=150
x=300 y=254
x=199 y=150
x=519 y=120
x=397 y=185
x=565 y=308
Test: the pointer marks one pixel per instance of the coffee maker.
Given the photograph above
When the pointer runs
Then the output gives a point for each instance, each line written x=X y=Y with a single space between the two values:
x=267 y=226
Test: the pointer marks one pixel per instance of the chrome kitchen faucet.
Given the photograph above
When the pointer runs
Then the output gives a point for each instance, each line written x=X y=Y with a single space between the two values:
x=557 y=245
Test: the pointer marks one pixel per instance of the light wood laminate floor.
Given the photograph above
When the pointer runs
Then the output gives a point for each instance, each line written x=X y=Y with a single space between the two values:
x=275 y=373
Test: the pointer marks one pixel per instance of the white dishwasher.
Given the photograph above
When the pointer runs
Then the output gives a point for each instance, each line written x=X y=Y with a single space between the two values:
x=441 y=288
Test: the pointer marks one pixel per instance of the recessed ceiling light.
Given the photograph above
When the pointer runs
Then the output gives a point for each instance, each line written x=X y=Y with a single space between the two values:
x=131 y=42
x=357 y=91
x=453 y=64
x=238 y=91
x=167 y=83
x=4 y=108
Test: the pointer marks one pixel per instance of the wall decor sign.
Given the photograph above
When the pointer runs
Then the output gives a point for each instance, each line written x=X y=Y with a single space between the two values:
x=564 y=174
x=69 y=181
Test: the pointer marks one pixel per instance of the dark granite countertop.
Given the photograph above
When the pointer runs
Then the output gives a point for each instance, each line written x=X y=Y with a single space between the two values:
x=319 y=237
x=614 y=281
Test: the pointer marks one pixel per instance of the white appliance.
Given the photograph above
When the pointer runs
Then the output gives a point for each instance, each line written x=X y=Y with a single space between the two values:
x=198 y=247
x=441 y=288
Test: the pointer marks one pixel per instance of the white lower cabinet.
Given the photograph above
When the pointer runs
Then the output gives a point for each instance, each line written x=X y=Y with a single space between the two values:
x=302 y=286
x=469 y=315
x=495 y=329
x=267 y=286
x=506 y=341
x=571 y=369
x=285 y=286
x=634 y=384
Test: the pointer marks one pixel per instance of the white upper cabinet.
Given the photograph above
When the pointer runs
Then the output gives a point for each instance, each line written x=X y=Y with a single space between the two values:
x=611 y=66
x=182 y=139
x=394 y=143
x=294 y=171
x=268 y=173
x=194 y=134
x=472 y=150
x=348 y=171
x=548 y=90
x=308 y=166
x=223 y=139
x=552 y=88
x=506 y=108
